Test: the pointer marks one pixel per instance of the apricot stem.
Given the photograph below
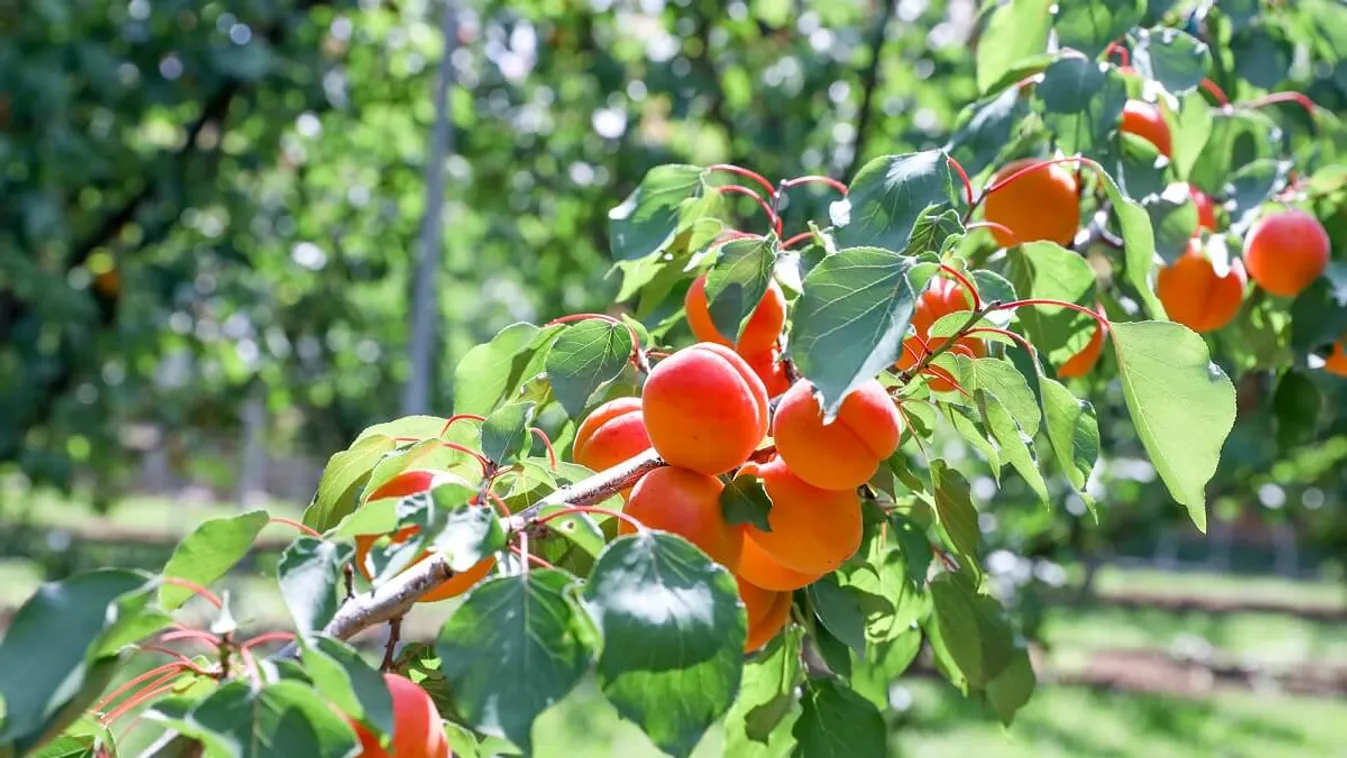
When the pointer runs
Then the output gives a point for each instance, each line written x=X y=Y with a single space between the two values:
x=301 y=527
x=1286 y=97
x=828 y=180
x=963 y=282
x=976 y=316
x=963 y=175
x=1005 y=333
x=263 y=639
x=574 y=509
x=791 y=242
x=481 y=459
x=1124 y=55
x=196 y=589
x=186 y=662
x=1098 y=317
x=158 y=672
x=192 y=634
x=1215 y=91
x=746 y=173
x=547 y=443
x=459 y=417
x=132 y=703
x=738 y=189
x=991 y=225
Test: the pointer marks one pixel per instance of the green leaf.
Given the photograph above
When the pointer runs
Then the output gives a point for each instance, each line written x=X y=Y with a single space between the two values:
x=1012 y=688
x=1007 y=384
x=839 y=609
x=1090 y=26
x=1176 y=59
x=1173 y=215
x=1252 y=185
x=60 y=649
x=1082 y=104
x=684 y=609
x=309 y=572
x=669 y=199
x=887 y=197
x=1182 y=404
x=1263 y=55
x=1299 y=407
x=1015 y=442
x=972 y=628
x=933 y=229
x=471 y=532
x=1070 y=82
x=914 y=547
x=767 y=692
x=1319 y=314
x=838 y=723
x=209 y=552
x=585 y=356
x=1237 y=137
x=1014 y=30
x=955 y=510
x=342 y=480
x=505 y=433
x=86 y=738
x=893 y=600
x=736 y=284
x=745 y=501
x=484 y=376
x=850 y=320
x=282 y=719
x=1072 y=430
x=1189 y=133
x=1048 y=270
x=343 y=678
x=529 y=630
x=1138 y=243
x=985 y=128
x=969 y=430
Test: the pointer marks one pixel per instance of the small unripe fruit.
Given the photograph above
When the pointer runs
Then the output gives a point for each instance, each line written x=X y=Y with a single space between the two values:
x=685 y=503
x=767 y=612
x=1080 y=364
x=813 y=530
x=761 y=569
x=1145 y=120
x=1193 y=295
x=842 y=455
x=417 y=729
x=611 y=434
x=759 y=334
x=1206 y=209
x=1285 y=252
x=1039 y=205
x=704 y=409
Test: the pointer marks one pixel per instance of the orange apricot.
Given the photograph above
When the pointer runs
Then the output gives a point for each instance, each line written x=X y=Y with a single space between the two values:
x=1145 y=120
x=767 y=611
x=1039 y=205
x=417 y=729
x=942 y=297
x=704 y=409
x=686 y=503
x=1193 y=295
x=1285 y=252
x=1080 y=364
x=612 y=433
x=759 y=334
x=769 y=369
x=1206 y=209
x=1337 y=360
x=758 y=567
x=842 y=455
x=813 y=530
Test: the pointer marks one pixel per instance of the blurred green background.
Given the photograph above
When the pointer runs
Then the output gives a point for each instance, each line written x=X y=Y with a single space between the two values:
x=212 y=217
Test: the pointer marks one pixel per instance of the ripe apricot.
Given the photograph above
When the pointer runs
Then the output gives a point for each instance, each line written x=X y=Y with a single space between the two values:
x=704 y=409
x=1285 y=252
x=767 y=611
x=812 y=529
x=1145 y=120
x=1195 y=296
x=1080 y=364
x=759 y=334
x=758 y=567
x=1039 y=205
x=688 y=504
x=1206 y=209
x=612 y=433
x=769 y=370
x=842 y=455
x=1337 y=360
x=942 y=297
x=417 y=729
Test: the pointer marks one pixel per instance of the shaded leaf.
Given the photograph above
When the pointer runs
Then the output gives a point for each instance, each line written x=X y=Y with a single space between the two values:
x=745 y=501
x=887 y=197
x=954 y=507
x=736 y=284
x=838 y=723
x=309 y=572
x=839 y=609
x=505 y=433
x=669 y=199
x=1014 y=30
x=1090 y=26
x=342 y=677
x=1176 y=59
x=278 y=719
x=585 y=356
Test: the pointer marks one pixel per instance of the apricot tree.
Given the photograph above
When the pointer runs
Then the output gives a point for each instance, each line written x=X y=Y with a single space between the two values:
x=755 y=530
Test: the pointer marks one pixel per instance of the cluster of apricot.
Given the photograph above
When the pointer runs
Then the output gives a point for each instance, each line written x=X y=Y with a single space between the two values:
x=706 y=413
x=417 y=729
x=1284 y=252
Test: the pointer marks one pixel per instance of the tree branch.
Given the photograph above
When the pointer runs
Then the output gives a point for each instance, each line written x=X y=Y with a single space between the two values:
x=869 y=83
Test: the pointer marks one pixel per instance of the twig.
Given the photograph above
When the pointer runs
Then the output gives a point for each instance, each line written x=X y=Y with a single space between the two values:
x=950 y=341
x=394 y=634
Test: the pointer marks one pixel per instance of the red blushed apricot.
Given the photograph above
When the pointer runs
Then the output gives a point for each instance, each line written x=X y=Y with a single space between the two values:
x=612 y=433
x=758 y=567
x=1206 y=209
x=1285 y=252
x=417 y=729
x=704 y=409
x=1337 y=360
x=1080 y=364
x=453 y=587
x=767 y=611
x=1193 y=295
x=768 y=368
x=1145 y=120
x=759 y=334
x=688 y=504
x=1040 y=205
x=812 y=529
x=842 y=455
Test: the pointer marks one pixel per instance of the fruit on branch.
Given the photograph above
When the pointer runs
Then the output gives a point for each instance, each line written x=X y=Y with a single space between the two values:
x=1080 y=364
x=704 y=409
x=767 y=611
x=610 y=434
x=1041 y=204
x=686 y=503
x=1195 y=296
x=452 y=587
x=942 y=297
x=758 y=567
x=410 y=483
x=759 y=334
x=812 y=529
x=842 y=455
x=769 y=369
x=1337 y=360
x=969 y=347
x=418 y=731
x=1146 y=121
x=1284 y=252
x=1206 y=209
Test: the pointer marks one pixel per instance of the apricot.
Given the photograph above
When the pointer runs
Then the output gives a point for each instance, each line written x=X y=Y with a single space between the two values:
x=1285 y=252
x=942 y=297
x=1042 y=204
x=759 y=334
x=969 y=347
x=758 y=567
x=1337 y=360
x=768 y=368
x=1193 y=295
x=813 y=530
x=610 y=434
x=704 y=409
x=417 y=729
x=1145 y=120
x=685 y=503
x=767 y=611
x=842 y=455
x=1206 y=209
x=1080 y=364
